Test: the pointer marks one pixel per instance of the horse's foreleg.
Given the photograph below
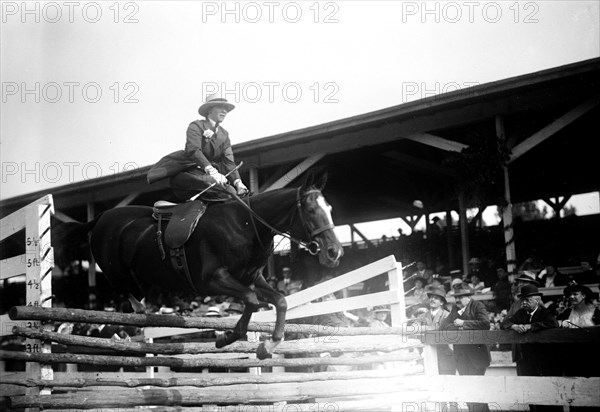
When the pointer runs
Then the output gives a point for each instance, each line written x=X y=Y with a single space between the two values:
x=267 y=293
x=223 y=283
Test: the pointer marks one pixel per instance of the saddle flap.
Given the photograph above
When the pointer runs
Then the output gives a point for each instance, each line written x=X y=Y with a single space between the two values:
x=182 y=222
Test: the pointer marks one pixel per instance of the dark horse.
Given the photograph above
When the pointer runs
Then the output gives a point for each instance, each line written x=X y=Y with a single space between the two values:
x=226 y=251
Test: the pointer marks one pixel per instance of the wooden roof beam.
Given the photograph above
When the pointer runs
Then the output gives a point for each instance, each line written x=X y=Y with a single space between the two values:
x=295 y=171
x=558 y=124
x=437 y=142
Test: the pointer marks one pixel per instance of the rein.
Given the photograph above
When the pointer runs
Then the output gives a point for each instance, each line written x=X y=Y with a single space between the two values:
x=312 y=247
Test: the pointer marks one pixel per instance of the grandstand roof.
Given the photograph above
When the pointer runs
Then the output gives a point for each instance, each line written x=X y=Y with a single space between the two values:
x=380 y=162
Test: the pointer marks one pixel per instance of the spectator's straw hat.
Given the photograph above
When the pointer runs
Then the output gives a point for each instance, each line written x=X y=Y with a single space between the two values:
x=456 y=282
x=377 y=309
x=439 y=292
x=474 y=260
x=463 y=292
x=214 y=100
x=527 y=276
x=529 y=290
x=213 y=311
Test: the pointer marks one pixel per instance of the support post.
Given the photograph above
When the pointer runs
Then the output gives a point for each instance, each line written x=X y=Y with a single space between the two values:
x=507 y=212
x=464 y=233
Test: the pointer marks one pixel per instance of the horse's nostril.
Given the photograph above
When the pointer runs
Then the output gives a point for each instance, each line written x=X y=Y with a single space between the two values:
x=332 y=253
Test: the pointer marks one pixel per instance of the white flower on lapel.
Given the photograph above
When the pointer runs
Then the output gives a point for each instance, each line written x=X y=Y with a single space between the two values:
x=208 y=133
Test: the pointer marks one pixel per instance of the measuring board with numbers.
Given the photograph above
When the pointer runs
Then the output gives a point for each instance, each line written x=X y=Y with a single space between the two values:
x=36 y=264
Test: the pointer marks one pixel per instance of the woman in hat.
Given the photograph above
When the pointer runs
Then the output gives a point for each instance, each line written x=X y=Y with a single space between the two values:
x=209 y=148
x=582 y=313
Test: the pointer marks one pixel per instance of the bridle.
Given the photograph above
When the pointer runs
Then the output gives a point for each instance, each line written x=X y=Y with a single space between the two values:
x=313 y=246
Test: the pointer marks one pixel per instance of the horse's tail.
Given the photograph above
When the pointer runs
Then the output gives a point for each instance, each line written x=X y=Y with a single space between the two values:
x=70 y=241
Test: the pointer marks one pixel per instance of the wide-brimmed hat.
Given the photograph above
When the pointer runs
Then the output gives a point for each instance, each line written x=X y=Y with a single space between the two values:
x=463 y=292
x=440 y=292
x=214 y=100
x=456 y=281
x=381 y=309
x=578 y=288
x=527 y=276
x=213 y=311
x=529 y=290
x=474 y=260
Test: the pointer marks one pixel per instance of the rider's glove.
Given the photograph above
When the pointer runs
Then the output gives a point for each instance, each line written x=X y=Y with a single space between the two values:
x=214 y=173
x=241 y=188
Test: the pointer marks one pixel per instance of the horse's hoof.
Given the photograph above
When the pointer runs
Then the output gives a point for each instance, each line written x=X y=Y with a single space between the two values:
x=262 y=352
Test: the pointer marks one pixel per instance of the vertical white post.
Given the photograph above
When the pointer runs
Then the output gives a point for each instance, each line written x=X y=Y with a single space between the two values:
x=398 y=310
x=39 y=261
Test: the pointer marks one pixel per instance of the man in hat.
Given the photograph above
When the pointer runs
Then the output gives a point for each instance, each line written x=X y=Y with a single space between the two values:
x=523 y=278
x=473 y=359
x=284 y=284
x=209 y=147
x=532 y=359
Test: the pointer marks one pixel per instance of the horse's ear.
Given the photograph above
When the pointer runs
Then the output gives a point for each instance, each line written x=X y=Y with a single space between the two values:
x=315 y=178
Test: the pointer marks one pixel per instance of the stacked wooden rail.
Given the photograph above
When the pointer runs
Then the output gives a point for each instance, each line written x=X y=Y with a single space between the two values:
x=373 y=351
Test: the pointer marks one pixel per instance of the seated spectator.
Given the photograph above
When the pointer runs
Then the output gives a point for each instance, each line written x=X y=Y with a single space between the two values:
x=582 y=313
x=475 y=283
x=419 y=289
x=423 y=272
x=550 y=277
x=381 y=314
x=284 y=284
x=502 y=290
x=455 y=285
x=588 y=275
x=436 y=283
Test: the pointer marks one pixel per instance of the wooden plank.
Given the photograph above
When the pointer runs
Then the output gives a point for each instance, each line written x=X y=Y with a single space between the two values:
x=199 y=381
x=12 y=266
x=133 y=319
x=107 y=360
x=437 y=142
x=552 y=128
x=14 y=222
x=331 y=343
x=492 y=337
x=519 y=390
x=340 y=305
x=359 y=275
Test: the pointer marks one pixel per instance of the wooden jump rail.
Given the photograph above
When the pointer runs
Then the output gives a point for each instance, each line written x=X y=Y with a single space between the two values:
x=142 y=320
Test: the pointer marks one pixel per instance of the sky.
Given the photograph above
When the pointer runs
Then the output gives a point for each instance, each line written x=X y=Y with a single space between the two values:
x=90 y=89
